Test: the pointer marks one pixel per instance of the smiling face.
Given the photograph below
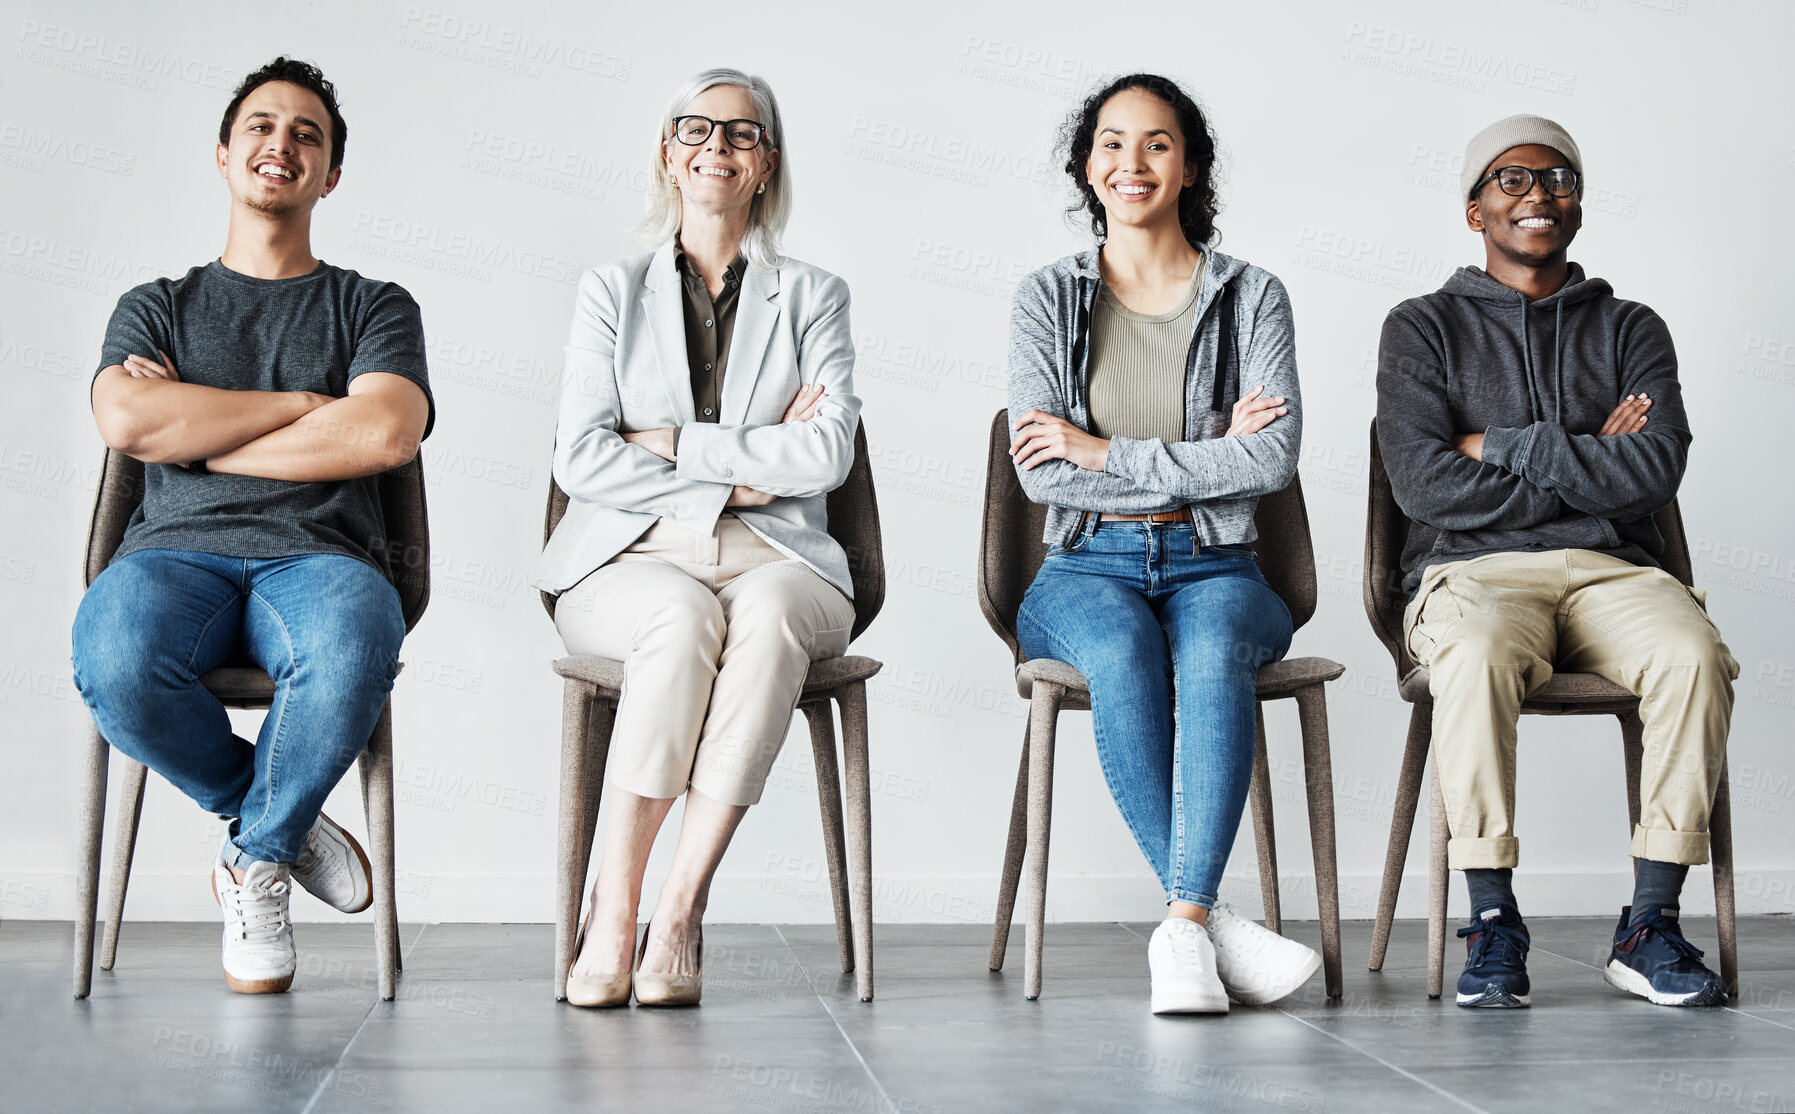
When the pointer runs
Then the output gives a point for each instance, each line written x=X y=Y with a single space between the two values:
x=713 y=175
x=278 y=159
x=1535 y=229
x=1137 y=163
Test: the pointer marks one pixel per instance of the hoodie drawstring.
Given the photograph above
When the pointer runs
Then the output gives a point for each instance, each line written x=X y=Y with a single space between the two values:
x=1533 y=403
x=1558 y=363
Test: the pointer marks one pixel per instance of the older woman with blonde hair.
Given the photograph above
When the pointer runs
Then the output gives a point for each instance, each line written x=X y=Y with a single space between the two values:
x=708 y=408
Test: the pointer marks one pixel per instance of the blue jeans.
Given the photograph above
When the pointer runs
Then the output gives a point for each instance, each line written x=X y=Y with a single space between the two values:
x=1170 y=641
x=327 y=628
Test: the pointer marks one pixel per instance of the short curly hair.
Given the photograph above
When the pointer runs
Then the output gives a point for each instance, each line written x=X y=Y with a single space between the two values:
x=1197 y=204
x=294 y=72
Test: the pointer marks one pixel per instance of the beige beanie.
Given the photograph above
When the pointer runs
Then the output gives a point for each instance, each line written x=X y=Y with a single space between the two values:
x=1516 y=131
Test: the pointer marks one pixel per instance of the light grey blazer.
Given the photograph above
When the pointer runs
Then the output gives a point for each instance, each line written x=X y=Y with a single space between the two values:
x=626 y=371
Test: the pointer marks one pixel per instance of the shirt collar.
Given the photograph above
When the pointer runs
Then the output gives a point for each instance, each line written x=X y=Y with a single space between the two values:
x=732 y=274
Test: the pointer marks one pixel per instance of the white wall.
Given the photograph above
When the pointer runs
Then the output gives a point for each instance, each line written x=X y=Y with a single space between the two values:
x=497 y=149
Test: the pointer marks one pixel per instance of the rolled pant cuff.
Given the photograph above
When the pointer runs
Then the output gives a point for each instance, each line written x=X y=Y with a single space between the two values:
x=1483 y=854
x=1207 y=901
x=1666 y=846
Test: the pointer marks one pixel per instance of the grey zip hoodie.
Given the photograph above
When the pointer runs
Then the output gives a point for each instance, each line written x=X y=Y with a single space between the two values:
x=1243 y=329
x=1537 y=379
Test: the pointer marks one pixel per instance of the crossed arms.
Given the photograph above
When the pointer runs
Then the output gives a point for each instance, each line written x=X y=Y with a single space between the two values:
x=691 y=474
x=1515 y=478
x=144 y=410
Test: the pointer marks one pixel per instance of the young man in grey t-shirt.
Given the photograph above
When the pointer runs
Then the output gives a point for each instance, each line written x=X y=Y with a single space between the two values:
x=265 y=392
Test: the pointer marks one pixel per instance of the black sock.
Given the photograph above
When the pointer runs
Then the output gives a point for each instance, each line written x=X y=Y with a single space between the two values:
x=1656 y=885
x=1490 y=888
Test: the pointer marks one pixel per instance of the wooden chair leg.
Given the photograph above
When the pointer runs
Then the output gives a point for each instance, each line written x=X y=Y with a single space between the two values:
x=1632 y=737
x=1402 y=827
x=1318 y=770
x=1265 y=839
x=87 y=860
x=859 y=831
x=1720 y=843
x=577 y=698
x=377 y=804
x=1436 y=887
x=828 y=795
x=1043 y=715
x=124 y=847
x=601 y=716
x=1014 y=851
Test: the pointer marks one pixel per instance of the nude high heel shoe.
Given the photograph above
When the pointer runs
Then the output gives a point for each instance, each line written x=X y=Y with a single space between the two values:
x=595 y=990
x=656 y=989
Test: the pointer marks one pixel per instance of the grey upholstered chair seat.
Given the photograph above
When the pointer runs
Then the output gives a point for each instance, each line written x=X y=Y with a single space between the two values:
x=242 y=686
x=607 y=673
x=1275 y=679
x=1564 y=694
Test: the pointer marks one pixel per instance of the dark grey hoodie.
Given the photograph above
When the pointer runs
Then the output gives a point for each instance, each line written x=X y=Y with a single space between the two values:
x=1537 y=379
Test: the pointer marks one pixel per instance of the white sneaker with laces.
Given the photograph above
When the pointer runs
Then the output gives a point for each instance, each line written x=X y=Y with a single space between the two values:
x=1182 y=962
x=1256 y=964
x=333 y=868
x=258 y=935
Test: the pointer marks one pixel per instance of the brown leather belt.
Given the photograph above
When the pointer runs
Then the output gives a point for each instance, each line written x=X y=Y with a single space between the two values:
x=1182 y=514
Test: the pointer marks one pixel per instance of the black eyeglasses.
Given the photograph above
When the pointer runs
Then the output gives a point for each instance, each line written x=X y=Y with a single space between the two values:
x=1517 y=181
x=744 y=135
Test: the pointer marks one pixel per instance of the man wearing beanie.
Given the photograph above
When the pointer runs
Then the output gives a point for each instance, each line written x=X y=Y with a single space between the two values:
x=1532 y=423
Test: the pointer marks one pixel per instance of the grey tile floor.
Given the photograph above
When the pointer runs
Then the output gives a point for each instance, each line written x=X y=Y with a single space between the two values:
x=474 y=1028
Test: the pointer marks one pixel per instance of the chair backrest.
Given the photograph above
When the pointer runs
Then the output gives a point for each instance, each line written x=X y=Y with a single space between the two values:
x=853 y=511
x=402 y=503
x=1011 y=550
x=1387 y=531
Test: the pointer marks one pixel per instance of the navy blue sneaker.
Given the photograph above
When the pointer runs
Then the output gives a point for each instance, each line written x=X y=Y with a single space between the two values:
x=1495 y=972
x=1651 y=959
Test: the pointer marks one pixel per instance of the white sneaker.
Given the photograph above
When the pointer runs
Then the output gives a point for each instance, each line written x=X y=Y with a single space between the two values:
x=1182 y=961
x=1256 y=964
x=258 y=936
x=333 y=868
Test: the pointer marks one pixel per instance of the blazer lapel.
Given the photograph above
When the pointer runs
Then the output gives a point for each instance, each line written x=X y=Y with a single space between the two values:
x=664 y=304
x=756 y=314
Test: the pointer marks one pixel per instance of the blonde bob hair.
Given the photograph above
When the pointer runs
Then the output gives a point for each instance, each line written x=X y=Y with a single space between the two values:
x=767 y=212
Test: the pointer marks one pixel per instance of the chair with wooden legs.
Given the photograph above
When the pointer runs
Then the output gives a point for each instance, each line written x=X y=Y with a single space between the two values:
x=592 y=686
x=1010 y=553
x=1566 y=694
x=243 y=686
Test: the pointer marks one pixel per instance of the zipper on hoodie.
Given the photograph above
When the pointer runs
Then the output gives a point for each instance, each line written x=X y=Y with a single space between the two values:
x=1081 y=349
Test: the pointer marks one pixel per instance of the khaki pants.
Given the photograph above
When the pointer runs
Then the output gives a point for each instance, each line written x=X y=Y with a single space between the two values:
x=716 y=633
x=1492 y=630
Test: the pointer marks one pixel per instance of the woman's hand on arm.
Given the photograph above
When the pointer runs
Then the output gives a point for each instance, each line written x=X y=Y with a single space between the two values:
x=803 y=407
x=1041 y=437
x=1255 y=411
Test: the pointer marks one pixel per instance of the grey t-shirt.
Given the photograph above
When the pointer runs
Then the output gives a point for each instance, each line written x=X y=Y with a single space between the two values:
x=313 y=333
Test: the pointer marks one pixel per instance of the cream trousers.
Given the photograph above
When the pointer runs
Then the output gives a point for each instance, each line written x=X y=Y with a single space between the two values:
x=716 y=633
x=1491 y=630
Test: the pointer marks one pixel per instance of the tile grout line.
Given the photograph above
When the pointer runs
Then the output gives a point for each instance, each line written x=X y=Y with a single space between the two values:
x=1409 y=1075
x=887 y=1102
x=325 y=1081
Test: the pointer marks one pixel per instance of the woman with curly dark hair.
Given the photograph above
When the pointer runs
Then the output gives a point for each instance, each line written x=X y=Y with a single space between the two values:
x=1154 y=398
